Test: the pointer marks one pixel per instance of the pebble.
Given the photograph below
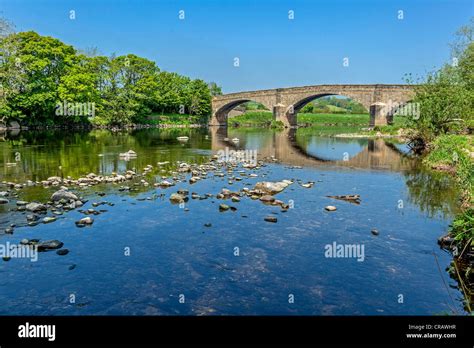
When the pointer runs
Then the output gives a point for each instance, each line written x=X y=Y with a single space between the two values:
x=270 y=218
x=62 y=252
x=223 y=207
x=49 y=219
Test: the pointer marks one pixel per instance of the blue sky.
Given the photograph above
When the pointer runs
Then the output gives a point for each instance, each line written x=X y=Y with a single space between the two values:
x=273 y=50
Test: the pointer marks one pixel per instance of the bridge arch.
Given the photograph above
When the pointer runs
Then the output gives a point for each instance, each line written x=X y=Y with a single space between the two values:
x=292 y=110
x=222 y=112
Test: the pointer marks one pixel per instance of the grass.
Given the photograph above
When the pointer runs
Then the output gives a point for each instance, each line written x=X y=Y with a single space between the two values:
x=452 y=152
x=264 y=118
x=172 y=119
x=334 y=119
x=252 y=118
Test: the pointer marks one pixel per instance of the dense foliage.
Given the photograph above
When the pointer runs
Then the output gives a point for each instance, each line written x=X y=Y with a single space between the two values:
x=43 y=81
x=446 y=96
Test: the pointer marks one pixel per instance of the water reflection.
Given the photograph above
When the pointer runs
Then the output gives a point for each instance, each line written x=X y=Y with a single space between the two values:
x=38 y=155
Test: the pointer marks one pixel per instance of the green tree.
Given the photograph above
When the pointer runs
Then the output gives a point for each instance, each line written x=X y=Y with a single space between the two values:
x=214 y=89
x=31 y=70
x=446 y=97
x=199 y=99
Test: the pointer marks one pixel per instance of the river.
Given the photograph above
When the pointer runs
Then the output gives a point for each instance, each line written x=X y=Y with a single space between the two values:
x=146 y=256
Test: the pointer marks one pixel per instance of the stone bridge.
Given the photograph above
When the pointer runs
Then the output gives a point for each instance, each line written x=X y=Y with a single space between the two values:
x=381 y=100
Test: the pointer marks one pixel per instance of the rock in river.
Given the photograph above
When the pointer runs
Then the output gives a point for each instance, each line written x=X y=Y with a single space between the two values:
x=85 y=221
x=267 y=199
x=331 y=208
x=223 y=207
x=270 y=188
x=3 y=201
x=62 y=252
x=49 y=219
x=35 y=207
x=348 y=198
x=270 y=218
x=63 y=194
x=49 y=245
x=176 y=198
x=32 y=217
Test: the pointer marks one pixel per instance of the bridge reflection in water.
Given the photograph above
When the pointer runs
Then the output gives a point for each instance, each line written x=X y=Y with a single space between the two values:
x=283 y=145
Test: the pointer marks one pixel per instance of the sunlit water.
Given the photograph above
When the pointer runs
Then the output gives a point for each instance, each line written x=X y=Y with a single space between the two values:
x=241 y=264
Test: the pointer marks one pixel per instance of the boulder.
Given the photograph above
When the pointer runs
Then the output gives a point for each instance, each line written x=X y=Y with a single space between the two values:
x=63 y=194
x=267 y=199
x=49 y=219
x=49 y=245
x=176 y=198
x=270 y=188
x=270 y=218
x=35 y=207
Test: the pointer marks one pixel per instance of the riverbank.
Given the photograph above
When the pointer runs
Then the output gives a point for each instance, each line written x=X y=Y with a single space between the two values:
x=454 y=154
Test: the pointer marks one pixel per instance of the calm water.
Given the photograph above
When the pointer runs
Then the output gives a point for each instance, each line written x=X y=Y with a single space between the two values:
x=172 y=253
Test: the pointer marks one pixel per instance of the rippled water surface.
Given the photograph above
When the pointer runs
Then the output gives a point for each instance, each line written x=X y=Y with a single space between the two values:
x=241 y=264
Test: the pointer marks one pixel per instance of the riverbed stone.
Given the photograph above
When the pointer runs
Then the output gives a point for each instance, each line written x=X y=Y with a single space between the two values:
x=4 y=201
x=85 y=221
x=62 y=252
x=49 y=245
x=267 y=199
x=49 y=219
x=176 y=198
x=271 y=218
x=330 y=208
x=63 y=194
x=32 y=217
x=36 y=207
x=270 y=188
x=223 y=207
